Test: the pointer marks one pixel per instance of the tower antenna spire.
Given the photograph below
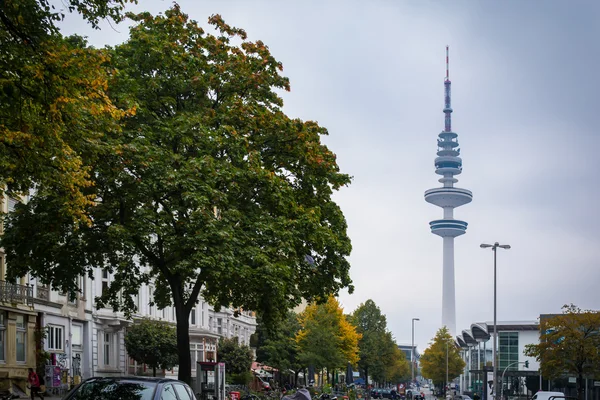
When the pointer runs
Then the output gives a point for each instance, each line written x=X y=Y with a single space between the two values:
x=447 y=63
x=447 y=105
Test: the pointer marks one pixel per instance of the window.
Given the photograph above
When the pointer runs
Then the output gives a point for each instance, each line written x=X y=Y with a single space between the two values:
x=21 y=338
x=107 y=348
x=81 y=286
x=168 y=393
x=508 y=350
x=150 y=300
x=104 y=282
x=193 y=317
x=2 y=335
x=12 y=202
x=77 y=336
x=55 y=337
x=196 y=353
x=182 y=392
x=220 y=326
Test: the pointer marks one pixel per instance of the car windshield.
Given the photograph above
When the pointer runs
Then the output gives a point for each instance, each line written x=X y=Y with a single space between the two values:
x=115 y=390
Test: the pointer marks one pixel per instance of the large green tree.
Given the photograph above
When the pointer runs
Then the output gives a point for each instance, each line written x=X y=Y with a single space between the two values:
x=441 y=354
x=208 y=189
x=372 y=325
x=569 y=344
x=237 y=359
x=277 y=347
x=380 y=357
x=53 y=103
x=153 y=343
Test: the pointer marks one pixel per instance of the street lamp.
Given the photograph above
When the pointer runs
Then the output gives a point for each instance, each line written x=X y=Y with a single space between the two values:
x=494 y=247
x=412 y=349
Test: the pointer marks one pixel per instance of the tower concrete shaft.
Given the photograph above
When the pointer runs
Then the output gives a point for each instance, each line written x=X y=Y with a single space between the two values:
x=448 y=164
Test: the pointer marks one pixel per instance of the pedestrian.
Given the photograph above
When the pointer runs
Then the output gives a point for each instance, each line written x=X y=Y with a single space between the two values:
x=34 y=384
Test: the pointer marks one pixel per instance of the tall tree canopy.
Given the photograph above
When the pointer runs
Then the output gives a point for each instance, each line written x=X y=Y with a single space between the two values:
x=372 y=326
x=569 y=344
x=441 y=352
x=153 y=343
x=209 y=188
x=53 y=103
x=277 y=347
x=237 y=359
x=326 y=338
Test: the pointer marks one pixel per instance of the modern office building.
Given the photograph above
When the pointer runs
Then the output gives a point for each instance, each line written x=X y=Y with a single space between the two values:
x=448 y=164
x=476 y=349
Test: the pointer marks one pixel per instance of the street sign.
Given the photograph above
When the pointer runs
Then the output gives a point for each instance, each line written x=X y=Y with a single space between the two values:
x=572 y=379
x=596 y=383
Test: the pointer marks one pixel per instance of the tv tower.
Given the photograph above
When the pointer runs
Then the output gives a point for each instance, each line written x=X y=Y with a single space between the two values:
x=447 y=164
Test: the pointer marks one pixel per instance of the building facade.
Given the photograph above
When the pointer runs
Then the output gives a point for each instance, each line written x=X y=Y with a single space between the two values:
x=476 y=344
x=18 y=320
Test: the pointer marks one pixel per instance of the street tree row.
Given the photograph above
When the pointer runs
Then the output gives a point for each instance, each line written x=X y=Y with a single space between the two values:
x=323 y=337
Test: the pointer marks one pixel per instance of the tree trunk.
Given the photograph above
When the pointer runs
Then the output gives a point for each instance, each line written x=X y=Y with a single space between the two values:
x=183 y=338
x=580 y=387
x=154 y=372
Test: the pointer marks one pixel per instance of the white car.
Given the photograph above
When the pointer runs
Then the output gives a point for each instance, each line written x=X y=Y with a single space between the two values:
x=546 y=395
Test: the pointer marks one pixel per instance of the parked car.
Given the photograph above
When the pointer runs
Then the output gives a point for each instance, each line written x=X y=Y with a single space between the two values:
x=541 y=395
x=131 y=388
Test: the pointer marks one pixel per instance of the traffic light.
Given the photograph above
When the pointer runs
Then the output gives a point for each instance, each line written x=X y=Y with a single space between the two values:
x=527 y=364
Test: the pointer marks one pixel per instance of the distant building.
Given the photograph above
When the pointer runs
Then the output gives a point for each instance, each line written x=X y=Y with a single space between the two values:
x=406 y=348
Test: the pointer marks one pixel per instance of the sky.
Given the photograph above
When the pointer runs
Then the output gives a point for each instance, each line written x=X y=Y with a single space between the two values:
x=525 y=98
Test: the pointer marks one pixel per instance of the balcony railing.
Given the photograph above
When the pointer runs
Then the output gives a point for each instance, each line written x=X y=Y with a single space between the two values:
x=42 y=292
x=12 y=293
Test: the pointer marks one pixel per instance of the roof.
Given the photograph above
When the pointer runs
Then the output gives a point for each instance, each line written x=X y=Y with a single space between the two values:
x=481 y=331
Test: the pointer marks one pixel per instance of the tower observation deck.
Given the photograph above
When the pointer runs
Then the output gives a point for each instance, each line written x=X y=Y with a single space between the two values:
x=448 y=164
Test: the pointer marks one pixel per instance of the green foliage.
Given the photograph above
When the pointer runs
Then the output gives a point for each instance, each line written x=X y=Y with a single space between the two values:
x=53 y=103
x=326 y=338
x=153 y=343
x=441 y=352
x=208 y=188
x=237 y=358
x=380 y=357
x=41 y=356
x=277 y=347
x=569 y=344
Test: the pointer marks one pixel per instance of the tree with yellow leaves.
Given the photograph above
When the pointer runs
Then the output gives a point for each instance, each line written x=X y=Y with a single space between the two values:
x=326 y=338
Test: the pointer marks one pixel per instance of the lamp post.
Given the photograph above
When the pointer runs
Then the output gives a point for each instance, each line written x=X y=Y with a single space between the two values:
x=494 y=247
x=412 y=349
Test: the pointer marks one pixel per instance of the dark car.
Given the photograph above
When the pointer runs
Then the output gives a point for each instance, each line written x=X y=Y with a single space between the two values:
x=131 y=388
x=414 y=395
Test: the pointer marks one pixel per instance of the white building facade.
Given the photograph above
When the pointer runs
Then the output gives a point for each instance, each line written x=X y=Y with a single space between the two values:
x=87 y=341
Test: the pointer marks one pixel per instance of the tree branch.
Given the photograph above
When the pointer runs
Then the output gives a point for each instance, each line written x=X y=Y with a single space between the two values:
x=195 y=291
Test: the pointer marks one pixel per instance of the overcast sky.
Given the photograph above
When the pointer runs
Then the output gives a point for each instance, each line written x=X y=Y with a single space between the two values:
x=525 y=89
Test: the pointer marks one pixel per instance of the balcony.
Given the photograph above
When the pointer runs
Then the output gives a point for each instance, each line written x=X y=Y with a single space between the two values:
x=42 y=292
x=16 y=294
